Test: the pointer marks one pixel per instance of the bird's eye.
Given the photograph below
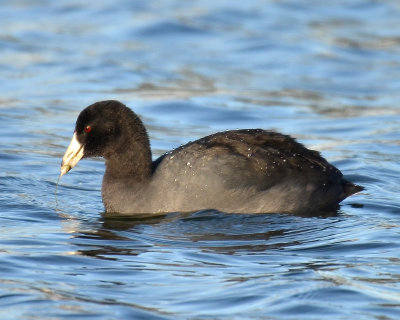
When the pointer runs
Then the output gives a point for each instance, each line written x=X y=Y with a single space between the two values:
x=87 y=129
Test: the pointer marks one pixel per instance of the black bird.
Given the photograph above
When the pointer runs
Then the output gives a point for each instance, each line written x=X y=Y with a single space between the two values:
x=238 y=171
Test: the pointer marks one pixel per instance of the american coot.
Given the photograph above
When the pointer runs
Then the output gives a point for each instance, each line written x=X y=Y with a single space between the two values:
x=238 y=171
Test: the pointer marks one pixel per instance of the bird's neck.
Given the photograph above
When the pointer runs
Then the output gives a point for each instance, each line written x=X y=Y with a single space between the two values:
x=129 y=163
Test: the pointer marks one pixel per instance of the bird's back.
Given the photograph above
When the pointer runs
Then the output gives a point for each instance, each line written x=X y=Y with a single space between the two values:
x=248 y=171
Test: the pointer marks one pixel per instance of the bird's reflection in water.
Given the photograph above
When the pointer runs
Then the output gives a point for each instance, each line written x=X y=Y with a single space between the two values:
x=118 y=236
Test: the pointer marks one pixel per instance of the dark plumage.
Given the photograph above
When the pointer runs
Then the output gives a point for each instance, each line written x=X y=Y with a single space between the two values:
x=247 y=171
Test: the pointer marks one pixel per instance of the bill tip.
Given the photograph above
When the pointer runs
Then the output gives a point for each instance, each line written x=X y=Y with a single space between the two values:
x=64 y=170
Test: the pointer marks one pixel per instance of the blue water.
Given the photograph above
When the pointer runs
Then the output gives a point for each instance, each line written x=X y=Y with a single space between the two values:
x=325 y=72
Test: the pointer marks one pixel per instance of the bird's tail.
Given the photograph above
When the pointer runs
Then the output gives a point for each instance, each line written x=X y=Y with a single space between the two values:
x=350 y=188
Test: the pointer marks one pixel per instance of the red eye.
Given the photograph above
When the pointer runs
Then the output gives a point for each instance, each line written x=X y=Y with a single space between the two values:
x=87 y=129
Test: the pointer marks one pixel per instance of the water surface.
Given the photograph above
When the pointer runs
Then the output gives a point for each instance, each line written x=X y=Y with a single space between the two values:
x=327 y=74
